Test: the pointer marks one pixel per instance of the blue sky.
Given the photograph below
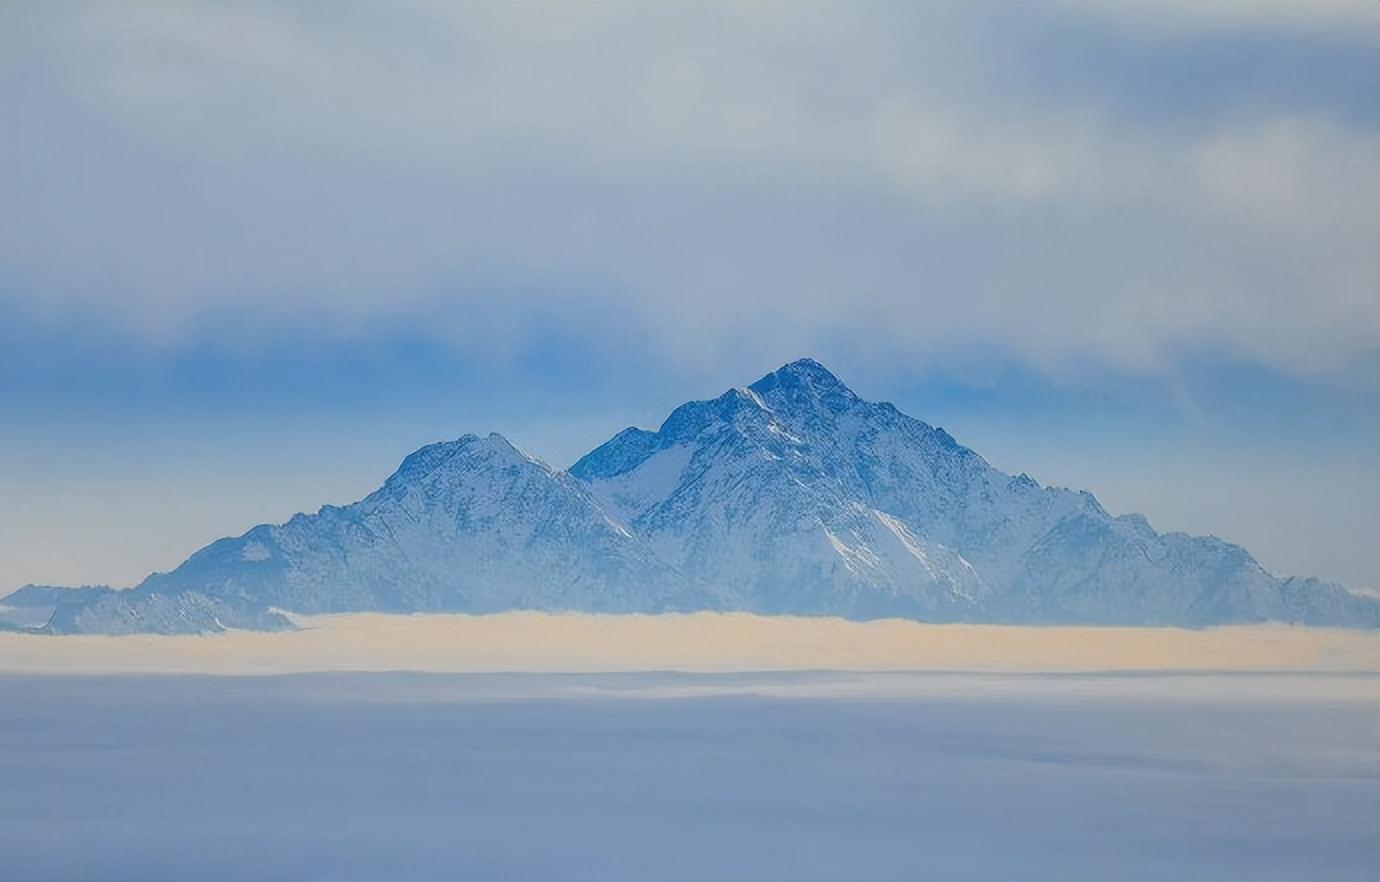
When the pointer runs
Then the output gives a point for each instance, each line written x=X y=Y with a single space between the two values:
x=250 y=256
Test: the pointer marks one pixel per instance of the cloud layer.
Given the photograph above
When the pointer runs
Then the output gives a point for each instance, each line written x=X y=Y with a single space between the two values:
x=1053 y=184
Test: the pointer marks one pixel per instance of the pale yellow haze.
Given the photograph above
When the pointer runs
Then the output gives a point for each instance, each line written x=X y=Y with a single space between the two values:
x=708 y=642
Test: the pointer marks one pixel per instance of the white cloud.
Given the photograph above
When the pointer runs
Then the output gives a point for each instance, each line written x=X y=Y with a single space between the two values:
x=734 y=171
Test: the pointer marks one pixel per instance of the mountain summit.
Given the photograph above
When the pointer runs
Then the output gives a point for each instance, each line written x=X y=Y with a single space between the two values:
x=791 y=496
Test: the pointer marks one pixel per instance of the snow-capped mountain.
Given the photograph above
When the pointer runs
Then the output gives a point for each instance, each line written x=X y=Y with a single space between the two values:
x=792 y=495
x=472 y=524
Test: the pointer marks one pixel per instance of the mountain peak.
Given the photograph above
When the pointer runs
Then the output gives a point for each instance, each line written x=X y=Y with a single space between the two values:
x=802 y=370
x=801 y=383
x=498 y=444
x=424 y=461
x=495 y=450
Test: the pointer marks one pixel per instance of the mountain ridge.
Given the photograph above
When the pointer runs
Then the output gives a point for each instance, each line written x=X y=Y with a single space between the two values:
x=792 y=495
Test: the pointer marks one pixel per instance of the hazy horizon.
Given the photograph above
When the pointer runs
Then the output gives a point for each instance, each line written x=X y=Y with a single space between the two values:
x=546 y=642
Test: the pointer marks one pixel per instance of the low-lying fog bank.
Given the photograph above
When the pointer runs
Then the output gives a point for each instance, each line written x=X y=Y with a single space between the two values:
x=542 y=642
x=677 y=776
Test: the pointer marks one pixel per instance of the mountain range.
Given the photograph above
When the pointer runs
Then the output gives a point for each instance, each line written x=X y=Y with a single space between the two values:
x=789 y=496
